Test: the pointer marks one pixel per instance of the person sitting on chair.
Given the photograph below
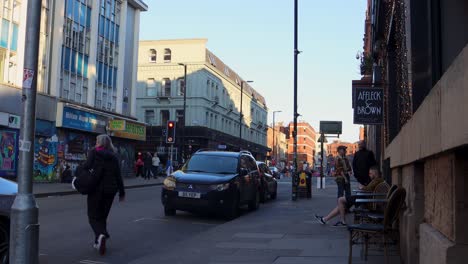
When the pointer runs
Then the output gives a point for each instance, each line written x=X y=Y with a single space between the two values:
x=346 y=202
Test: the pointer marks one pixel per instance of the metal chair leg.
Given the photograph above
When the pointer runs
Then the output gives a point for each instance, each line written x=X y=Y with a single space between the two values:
x=366 y=246
x=385 y=248
x=350 y=256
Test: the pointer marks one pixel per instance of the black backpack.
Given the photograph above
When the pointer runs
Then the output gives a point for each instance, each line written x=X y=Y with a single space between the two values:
x=88 y=180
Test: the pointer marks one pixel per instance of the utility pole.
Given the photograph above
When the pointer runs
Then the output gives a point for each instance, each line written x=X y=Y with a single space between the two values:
x=24 y=240
x=296 y=53
x=185 y=107
x=322 y=137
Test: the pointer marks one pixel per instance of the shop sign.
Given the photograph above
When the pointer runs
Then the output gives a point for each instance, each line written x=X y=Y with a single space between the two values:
x=9 y=120
x=117 y=125
x=368 y=108
x=132 y=131
x=78 y=119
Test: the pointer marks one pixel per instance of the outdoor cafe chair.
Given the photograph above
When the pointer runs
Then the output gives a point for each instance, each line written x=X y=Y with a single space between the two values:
x=361 y=233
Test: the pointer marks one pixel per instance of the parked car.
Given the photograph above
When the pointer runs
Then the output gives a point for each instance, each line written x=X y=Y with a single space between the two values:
x=8 y=190
x=216 y=181
x=269 y=185
x=275 y=171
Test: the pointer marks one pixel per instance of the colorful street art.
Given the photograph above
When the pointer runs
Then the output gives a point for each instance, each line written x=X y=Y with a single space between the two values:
x=73 y=149
x=45 y=158
x=8 y=152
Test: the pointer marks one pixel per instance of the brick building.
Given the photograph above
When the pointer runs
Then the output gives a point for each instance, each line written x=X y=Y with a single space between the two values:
x=306 y=141
x=332 y=148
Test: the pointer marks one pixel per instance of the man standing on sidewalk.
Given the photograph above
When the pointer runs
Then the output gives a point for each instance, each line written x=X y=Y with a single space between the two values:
x=362 y=162
x=343 y=172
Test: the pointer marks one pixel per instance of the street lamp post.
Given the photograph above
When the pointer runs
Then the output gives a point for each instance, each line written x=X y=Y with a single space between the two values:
x=185 y=107
x=274 y=139
x=241 y=114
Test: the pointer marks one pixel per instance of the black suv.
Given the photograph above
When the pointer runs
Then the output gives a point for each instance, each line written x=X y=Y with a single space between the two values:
x=216 y=181
x=8 y=190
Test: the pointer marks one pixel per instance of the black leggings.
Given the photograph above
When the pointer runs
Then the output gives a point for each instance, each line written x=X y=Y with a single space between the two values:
x=99 y=205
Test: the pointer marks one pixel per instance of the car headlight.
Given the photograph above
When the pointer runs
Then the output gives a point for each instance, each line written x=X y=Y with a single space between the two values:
x=220 y=187
x=170 y=183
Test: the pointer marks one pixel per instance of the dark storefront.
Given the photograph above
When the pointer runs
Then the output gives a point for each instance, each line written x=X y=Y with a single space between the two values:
x=77 y=131
x=197 y=138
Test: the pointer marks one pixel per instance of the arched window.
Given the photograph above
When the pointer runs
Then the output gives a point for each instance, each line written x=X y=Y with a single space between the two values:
x=152 y=55
x=167 y=55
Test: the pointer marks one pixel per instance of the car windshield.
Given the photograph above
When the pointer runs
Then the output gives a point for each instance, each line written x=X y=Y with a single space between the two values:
x=212 y=164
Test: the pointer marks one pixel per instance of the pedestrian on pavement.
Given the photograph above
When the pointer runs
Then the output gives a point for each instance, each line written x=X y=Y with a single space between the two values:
x=342 y=172
x=139 y=165
x=363 y=160
x=100 y=201
x=344 y=203
x=148 y=164
x=155 y=162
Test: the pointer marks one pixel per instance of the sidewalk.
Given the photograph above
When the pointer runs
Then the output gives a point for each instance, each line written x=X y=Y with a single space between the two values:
x=54 y=189
x=280 y=232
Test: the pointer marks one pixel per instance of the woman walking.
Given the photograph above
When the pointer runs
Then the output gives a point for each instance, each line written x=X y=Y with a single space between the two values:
x=103 y=159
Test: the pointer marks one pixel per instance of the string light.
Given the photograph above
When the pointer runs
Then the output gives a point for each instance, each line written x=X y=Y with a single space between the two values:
x=404 y=93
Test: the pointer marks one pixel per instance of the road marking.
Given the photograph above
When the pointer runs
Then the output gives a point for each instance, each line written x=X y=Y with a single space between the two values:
x=201 y=223
x=150 y=219
x=92 y=262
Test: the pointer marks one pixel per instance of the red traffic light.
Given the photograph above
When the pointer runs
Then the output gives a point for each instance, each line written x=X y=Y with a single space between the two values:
x=170 y=125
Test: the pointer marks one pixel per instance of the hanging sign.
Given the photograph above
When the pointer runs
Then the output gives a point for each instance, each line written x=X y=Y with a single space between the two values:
x=368 y=108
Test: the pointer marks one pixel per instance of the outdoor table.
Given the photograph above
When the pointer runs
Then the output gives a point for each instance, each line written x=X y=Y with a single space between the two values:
x=369 y=194
x=371 y=201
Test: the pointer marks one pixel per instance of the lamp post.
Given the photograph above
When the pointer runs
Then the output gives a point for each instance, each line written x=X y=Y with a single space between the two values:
x=274 y=127
x=240 y=114
x=185 y=107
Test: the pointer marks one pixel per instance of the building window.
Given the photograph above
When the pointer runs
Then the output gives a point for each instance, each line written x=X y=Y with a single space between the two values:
x=181 y=83
x=167 y=55
x=152 y=55
x=151 y=87
x=180 y=116
x=304 y=147
x=149 y=116
x=166 y=87
x=164 y=117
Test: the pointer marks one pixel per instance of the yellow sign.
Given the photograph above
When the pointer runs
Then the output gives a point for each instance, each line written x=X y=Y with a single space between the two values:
x=302 y=180
x=117 y=125
x=132 y=131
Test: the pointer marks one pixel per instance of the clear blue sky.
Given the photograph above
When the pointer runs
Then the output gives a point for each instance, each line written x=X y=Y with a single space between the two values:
x=255 y=38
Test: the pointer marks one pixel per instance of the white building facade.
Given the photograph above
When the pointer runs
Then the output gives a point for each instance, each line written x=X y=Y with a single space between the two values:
x=212 y=100
x=86 y=74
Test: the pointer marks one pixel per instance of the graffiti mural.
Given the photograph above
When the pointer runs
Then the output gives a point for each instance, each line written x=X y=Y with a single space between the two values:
x=73 y=149
x=45 y=159
x=9 y=152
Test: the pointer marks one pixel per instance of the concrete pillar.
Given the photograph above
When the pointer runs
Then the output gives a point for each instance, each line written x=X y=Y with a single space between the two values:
x=93 y=50
x=55 y=63
x=413 y=216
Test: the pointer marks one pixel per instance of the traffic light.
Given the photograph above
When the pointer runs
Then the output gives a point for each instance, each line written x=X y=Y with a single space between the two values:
x=170 y=132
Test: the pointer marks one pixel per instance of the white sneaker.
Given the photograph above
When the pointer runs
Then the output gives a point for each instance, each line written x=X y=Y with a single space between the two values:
x=101 y=244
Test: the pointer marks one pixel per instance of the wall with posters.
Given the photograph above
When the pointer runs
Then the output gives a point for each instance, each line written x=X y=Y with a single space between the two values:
x=73 y=148
x=45 y=158
x=8 y=152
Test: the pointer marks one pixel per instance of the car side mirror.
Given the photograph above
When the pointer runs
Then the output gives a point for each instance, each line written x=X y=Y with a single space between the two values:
x=243 y=172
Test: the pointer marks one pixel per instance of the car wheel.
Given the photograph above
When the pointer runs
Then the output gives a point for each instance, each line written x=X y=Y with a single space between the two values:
x=4 y=243
x=169 y=211
x=273 y=195
x=255 y=203
x=264 y=193
x=233 y=211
